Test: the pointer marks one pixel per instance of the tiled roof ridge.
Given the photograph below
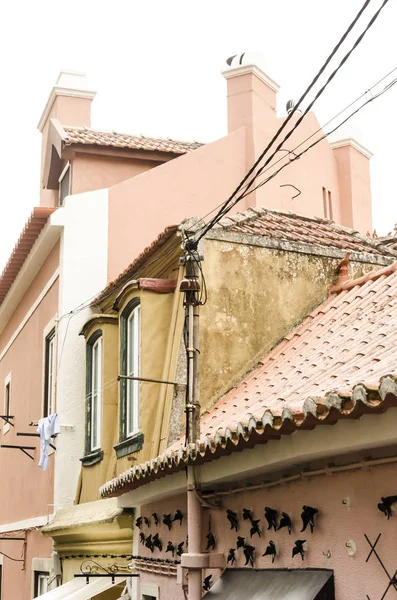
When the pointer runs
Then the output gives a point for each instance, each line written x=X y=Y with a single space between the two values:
x=252 y=213
x=371 y=276
x=130 y=135
x=364 y=397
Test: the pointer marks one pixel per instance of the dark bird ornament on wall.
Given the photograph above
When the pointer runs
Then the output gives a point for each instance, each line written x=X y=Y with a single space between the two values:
x=179 y=550
x=178 y=516
x=247 y=514
x=231 y=557
x=386 y=504
x=285 y=521
x=211 y=542
x=149 y=543
x=157 y=543
x=240 y=541
x=249 y=553
x=271 y=518
x=167 y=520
x=146 y=521
x=142 y=537
x=138 y=522
x=271 y=550
x=207 y=583
x=255 y=528
x=232 y=517
x=156 y=518
x=170 y=548
x=308 y=517
x=298 y=549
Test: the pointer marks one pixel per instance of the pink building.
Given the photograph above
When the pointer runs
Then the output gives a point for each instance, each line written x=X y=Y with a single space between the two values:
x=97 y=188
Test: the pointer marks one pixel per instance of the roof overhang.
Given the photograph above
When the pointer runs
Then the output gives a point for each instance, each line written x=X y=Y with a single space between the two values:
x=32 y=247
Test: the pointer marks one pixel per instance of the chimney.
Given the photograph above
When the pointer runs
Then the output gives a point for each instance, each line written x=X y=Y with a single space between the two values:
x=251 y=103
x=70 y=103
x=352 y=162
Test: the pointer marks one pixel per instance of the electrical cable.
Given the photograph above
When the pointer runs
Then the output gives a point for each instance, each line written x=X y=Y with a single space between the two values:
x=244 y=195
x=363 y=95
x=229 y=202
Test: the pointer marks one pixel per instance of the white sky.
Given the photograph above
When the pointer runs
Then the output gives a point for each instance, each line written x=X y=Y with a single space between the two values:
x=156 y=66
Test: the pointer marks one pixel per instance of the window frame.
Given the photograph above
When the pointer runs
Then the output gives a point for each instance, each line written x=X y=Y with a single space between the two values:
x=49 y=366
x=130 y=436
x=96 y=393
x=93 y=454
x=7 y=401
x=40 y=576
x=67 y=169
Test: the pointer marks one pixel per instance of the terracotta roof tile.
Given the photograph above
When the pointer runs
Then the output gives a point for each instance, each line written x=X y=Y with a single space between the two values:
x=298 y=228
x=22 y=248
x=341 y=361
x=84 y=135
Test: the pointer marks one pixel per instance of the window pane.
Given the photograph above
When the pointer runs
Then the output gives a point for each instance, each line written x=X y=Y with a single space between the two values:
x=49 y=384
x=133 y=347
x=96 y=394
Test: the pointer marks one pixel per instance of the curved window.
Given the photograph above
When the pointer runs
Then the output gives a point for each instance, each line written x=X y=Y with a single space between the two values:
x=130 y=368
x=94 y=392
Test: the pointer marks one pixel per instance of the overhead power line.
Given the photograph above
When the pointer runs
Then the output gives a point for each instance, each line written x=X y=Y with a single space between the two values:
x=230 y=201
x=341 y=112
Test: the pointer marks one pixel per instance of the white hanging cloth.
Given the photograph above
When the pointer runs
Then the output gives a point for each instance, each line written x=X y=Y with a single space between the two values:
x=47 y=427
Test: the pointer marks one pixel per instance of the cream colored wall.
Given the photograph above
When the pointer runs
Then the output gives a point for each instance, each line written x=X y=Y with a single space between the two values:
x=93 y=171
x=255 y=296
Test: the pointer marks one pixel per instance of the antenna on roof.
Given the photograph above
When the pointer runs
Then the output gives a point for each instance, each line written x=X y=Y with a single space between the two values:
x=290 y=106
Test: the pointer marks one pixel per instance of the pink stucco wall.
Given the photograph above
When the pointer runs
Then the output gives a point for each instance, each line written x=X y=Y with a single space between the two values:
x=18 y=582
x=93 y=172
x=190 y=185
x=337 y=523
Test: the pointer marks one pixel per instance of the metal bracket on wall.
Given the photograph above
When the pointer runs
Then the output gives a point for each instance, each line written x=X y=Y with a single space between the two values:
x=22 y=448
x=6 y=419
x=37 y=435
x=393 y=579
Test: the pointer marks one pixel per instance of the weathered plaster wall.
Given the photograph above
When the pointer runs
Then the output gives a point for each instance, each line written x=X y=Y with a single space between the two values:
x=347 y=504
x=256 y=295
x=93 y=172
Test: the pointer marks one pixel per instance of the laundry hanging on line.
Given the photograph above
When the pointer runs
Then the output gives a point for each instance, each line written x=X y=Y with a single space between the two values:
x=47 y=427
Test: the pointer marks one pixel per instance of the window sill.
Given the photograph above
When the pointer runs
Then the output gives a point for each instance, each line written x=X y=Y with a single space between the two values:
x=93 y=458
x=130 y=445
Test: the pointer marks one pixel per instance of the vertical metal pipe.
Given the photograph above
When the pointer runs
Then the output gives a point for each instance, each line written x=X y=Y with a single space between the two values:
x=194 y=536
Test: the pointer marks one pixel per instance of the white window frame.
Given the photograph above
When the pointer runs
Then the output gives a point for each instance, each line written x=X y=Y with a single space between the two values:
x=66 y=168
x=132 y=392
x=40 y=576
x=96 y=393
x=7 y=382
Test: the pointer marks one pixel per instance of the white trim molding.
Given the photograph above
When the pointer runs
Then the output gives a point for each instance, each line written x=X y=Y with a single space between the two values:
x=354 y=144
x=251 y=70
x=26 y=524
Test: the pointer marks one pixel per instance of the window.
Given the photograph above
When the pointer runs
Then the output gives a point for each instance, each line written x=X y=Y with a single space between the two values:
x=327 y=204
x=130 y=438
x=7 y=402
x=132 y=370
x=96 y=394
x=49 y=374
x=64 y=183
x=40 y=583
x=93 y=453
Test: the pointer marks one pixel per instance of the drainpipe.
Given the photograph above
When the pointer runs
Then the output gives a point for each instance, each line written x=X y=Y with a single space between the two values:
x=193 y=558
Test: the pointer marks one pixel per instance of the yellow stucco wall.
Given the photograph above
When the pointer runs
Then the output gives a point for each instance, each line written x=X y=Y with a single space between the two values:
x=256 y=295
